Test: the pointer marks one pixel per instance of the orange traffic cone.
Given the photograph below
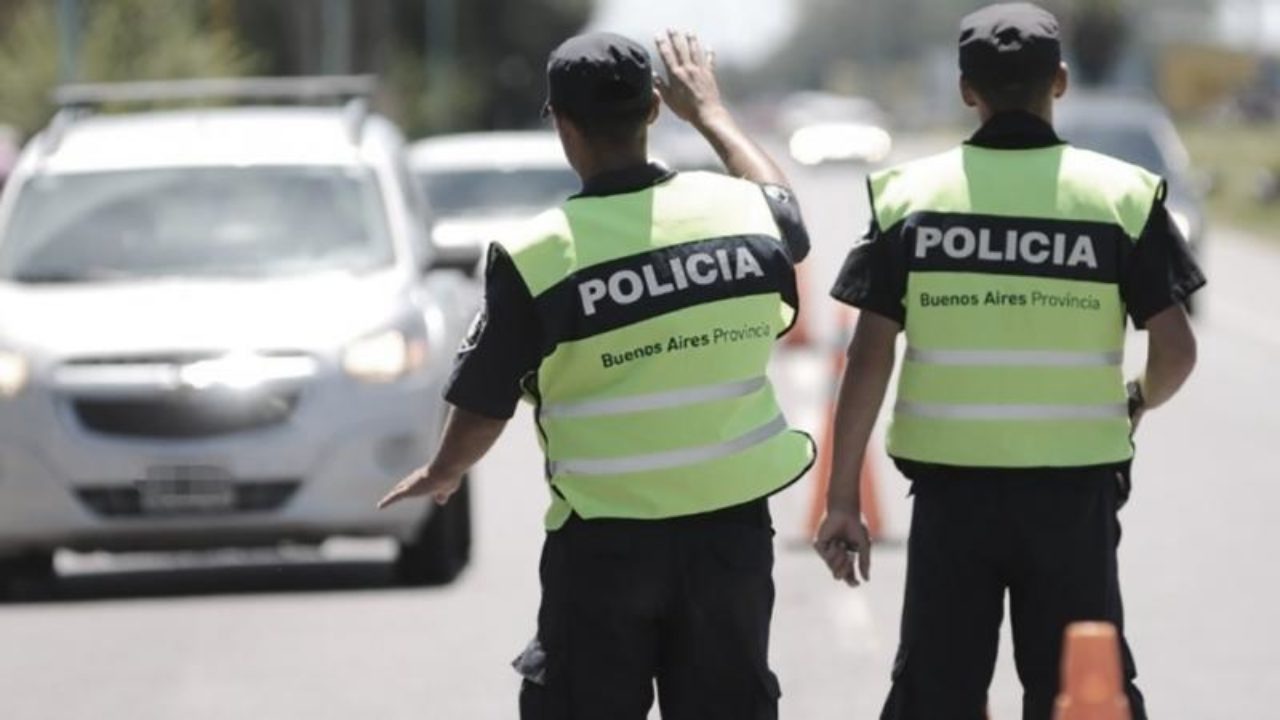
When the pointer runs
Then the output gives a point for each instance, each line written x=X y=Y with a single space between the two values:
x=1092 y=683
x=822 y=469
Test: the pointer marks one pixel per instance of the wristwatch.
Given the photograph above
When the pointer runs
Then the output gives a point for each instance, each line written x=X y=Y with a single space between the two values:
x=1136 y=399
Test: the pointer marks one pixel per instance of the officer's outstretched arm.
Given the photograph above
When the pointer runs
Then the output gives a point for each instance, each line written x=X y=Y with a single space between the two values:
x=1171 y=356
x=691 y=91
x=467 y=437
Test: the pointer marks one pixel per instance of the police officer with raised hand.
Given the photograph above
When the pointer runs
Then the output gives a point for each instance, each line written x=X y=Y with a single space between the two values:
x=1011 y=263
x=638 y=318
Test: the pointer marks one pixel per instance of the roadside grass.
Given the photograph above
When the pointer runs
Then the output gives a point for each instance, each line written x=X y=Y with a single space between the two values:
x=1236 y=158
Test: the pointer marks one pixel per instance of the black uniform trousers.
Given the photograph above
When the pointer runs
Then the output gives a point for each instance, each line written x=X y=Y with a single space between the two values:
x=1049 y=538
x=685 y=602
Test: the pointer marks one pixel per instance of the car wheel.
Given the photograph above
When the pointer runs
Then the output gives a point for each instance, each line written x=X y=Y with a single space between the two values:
x=34 y=566
x=442 y=546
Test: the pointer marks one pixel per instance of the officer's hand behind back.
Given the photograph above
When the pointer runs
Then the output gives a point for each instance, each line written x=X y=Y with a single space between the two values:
x=844 y=545
x=690 y=88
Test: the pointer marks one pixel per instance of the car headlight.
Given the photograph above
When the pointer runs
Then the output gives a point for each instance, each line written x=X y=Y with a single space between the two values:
x=1182 y=221
x=384 y=357
x=14 y=372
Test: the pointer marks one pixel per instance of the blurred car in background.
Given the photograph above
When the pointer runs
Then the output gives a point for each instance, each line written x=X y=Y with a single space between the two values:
x=221 y=327
x=826 y=128
x=1138 y=131
x=675 y=144
x=481 y=185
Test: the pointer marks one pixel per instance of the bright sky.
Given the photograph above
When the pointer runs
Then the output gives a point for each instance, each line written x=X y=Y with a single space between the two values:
x=741 y=31
x=1252 y=23
x=746 y=31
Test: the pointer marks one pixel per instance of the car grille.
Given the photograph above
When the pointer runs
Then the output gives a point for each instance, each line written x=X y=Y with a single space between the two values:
x=249 y=496
x=195 y=416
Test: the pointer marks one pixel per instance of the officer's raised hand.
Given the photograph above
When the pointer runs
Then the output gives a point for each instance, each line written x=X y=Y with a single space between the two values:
x=845 y=546
x=423 y=482
x=691 y=91
x=690 y=88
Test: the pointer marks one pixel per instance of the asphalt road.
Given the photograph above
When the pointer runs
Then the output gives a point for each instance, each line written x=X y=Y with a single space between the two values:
x=301 y=635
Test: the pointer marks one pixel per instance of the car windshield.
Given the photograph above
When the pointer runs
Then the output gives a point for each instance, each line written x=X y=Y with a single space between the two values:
x=1131 y=143
x=202 y=222
x=496 y=192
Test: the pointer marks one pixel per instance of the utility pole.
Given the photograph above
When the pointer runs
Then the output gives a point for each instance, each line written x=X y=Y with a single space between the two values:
x=68 y=41
x=441 y=17
x=336 y=18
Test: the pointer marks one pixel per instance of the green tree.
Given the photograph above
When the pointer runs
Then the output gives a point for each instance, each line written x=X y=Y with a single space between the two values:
x=496 y=70
x=28 y=66
x=122 y=40
x=148 y=40
x=489 y=75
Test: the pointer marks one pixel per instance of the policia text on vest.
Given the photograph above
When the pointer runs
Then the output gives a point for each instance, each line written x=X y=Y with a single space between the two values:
x=689 y=269
x=678 y=343
x=1045 y=248
x=626 y=286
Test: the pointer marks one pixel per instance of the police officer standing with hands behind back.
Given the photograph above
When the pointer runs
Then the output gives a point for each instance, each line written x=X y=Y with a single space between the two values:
x=1011 y=263
x=639 y=318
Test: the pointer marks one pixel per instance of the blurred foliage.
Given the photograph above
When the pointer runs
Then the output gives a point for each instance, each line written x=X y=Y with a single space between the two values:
x=1243 y=164
x=485 y=72
x=147 y=40
x=496 y=78
x=121 y=40
x=487 y=75
x=28 y=66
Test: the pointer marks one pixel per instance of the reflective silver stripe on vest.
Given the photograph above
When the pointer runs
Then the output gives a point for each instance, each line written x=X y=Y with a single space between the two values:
x=1012 y=358
x=655 y=401
x=672 y=458
x=1013 y=412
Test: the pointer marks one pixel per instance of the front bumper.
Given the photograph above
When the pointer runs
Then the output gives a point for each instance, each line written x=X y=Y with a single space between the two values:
x=344 y=445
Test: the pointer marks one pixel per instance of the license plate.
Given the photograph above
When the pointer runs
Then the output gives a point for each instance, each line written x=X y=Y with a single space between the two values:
x=186 y=489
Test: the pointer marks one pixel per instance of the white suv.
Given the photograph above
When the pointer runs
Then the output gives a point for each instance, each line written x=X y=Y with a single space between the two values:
x=220 y=327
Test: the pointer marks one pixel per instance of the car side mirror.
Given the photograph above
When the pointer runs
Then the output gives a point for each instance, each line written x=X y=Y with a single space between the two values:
x=444 y=252
x=469 y=266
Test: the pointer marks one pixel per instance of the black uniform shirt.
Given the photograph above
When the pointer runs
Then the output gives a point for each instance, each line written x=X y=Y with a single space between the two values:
x=1157 y=273
x=505 y=345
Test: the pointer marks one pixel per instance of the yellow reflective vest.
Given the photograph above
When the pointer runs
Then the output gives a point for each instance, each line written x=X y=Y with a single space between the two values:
x=660 y=309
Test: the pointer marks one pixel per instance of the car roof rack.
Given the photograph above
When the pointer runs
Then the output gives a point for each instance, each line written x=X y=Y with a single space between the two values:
x=79 y=100
x=302 y=88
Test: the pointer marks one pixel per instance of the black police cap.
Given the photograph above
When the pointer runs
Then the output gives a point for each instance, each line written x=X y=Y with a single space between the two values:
x=599 y=75
x=1009 y=42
